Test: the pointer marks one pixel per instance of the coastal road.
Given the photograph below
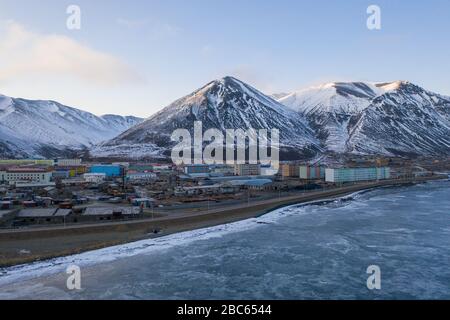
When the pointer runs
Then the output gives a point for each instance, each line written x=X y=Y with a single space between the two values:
x=27 y=245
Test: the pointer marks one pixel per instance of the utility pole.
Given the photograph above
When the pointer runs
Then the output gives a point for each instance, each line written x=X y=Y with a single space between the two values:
x=123 y=178
x=153 y=210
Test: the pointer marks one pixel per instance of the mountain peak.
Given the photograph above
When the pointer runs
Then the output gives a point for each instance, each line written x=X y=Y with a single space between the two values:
x=229 y=78
x=226 y=81
x=5 y=102
x=226 y=103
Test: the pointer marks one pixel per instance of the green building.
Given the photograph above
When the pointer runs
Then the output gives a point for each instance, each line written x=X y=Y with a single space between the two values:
x=357 y=174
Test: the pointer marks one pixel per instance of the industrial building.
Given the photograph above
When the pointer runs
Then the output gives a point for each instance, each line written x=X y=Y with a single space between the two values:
x=257 y=184
x=196 y=169
x=140 y=167
x=247 y=169
x=110 y=213
x=73 y=170
x=162 y=168
x=222 y=169
x=108 y=169
x=342 y=175
x=213 y=189
x=141 y=177
x=311 y=173
x=42 y=216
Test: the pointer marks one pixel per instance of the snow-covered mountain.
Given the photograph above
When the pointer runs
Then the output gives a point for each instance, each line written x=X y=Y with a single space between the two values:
x=329 y=108
x=406 y=121
x=227 y=103
x=278 y=96
x=47 y=128
x=396 y=118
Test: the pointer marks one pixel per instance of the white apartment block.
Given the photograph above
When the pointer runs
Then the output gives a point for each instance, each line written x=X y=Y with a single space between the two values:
x=12 y=176
x=68 y=162
x=357 y=174
x=94 y=177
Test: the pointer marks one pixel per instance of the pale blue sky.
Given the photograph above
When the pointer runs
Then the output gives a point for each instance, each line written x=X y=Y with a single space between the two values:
x=135 y=57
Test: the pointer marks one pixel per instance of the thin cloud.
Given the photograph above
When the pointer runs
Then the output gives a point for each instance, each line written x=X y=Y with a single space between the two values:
x=132 y=23
x=207 y=50
x=154 y=29
x=25 y=53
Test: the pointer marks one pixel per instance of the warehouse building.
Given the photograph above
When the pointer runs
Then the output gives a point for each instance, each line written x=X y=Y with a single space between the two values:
x=196 y=169
x=222 y=169
x=140 y=167
x=42 y=216
x=108 y=169
x=141 y=177
x=110 y=213
x=34 y=185
x=255 y=184
x=342 y=175
x=162 y=168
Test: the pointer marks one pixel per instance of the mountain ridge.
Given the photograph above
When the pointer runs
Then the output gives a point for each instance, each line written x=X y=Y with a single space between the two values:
x=395 y=118
x=348 y=121
x=42 y=128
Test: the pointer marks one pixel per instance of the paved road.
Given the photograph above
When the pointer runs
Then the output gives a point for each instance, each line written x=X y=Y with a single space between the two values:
x=302 y=197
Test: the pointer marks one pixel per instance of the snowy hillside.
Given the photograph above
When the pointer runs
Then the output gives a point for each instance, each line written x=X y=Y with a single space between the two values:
x=45 y=128
x=393 y=118
x=329 y=108
x=224 y=104
x=405 y=121
x=396 y=118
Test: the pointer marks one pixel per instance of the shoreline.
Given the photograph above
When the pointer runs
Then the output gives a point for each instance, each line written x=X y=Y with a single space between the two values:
x=18 y=247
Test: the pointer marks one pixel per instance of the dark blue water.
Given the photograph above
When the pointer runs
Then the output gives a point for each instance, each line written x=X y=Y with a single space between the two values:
x=302 y=252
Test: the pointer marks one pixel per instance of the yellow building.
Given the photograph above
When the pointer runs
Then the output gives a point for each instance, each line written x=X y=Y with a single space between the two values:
x=289 y=170
x=18 y=162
